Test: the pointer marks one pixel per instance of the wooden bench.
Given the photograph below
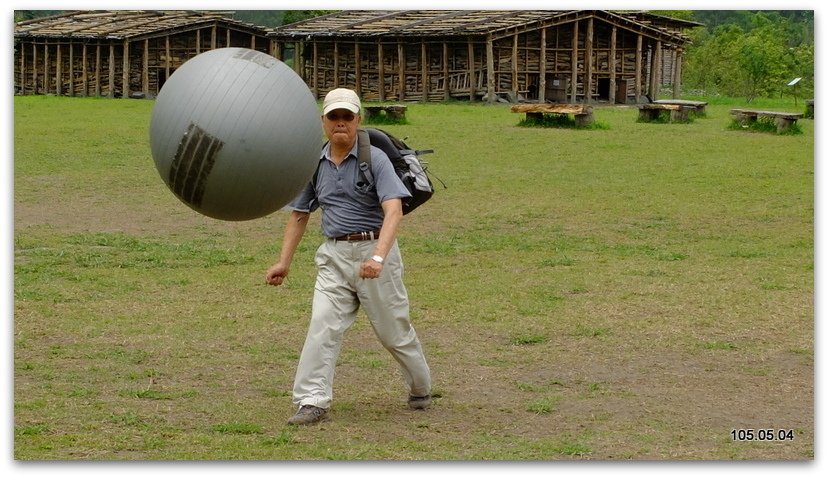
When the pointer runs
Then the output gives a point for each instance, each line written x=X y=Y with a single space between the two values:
x=394 y=112
x=783 y=119
x=699 y=106
x=583 y=113
x=652 y=111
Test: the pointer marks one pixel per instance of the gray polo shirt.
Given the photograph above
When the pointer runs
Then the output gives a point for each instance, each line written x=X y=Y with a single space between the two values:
x=347 y=208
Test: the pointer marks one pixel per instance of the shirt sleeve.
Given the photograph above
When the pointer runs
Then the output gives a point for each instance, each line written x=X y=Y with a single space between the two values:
x=305 y=201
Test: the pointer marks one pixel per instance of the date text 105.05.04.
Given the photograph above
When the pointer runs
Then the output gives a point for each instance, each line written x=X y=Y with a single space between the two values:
x=762 y=434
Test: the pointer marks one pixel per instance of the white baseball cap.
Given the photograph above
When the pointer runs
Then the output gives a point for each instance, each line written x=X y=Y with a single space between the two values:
x=341 y=98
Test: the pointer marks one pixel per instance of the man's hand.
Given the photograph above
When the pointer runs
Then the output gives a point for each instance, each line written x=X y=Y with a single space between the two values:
x=370 y=269
x=276 y=274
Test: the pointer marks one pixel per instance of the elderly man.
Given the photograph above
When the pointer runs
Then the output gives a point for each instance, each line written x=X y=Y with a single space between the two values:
x=358 y=265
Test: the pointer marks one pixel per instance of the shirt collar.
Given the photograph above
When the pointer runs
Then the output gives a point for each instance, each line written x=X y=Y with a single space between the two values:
x=326 y=151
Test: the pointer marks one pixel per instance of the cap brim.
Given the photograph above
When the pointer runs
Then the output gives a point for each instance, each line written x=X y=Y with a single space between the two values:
x=341 y=105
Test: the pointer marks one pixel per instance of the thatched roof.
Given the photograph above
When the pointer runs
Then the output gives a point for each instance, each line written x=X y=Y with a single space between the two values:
x=124 y=24
x=450 y=23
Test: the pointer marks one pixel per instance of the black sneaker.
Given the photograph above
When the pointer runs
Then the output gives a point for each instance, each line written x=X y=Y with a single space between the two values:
x=308 y=414
x=419 y=403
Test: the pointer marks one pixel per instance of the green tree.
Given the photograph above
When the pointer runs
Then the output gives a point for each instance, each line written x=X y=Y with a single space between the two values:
x=764 y=57
x=710 y=62
x=756 y=60
x=22 y=15
x=264 y=18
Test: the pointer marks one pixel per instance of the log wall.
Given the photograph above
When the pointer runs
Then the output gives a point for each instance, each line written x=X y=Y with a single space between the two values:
x=581 y=61
x=96 y=67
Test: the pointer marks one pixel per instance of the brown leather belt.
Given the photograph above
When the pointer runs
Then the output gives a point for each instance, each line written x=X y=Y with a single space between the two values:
x=359 y=236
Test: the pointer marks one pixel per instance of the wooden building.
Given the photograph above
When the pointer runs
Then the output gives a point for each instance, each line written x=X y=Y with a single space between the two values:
x=123 y=53
x=579 y=56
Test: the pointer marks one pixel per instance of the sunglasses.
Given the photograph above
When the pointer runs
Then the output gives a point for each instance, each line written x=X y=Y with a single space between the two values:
x=337 y=116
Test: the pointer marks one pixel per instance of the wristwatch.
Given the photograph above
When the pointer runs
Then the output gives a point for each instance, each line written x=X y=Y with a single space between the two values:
x=377 y=259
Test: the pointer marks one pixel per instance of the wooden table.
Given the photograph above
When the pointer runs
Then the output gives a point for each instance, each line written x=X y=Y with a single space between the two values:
x=583 y=113
x=699 y=106
x=395 y=112
x=678 y=113
x=784 y=120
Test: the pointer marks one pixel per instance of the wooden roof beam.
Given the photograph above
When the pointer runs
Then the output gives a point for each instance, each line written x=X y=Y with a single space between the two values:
x=380 y=18
x=156 y=19
x=560 y=19
x=642 y=28
x=438 y=18
x=112 y=20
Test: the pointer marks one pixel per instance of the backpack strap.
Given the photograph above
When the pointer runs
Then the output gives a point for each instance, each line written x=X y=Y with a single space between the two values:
x=364 y=157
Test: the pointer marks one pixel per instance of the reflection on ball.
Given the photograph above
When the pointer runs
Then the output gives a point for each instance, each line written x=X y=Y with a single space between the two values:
x=235 y=134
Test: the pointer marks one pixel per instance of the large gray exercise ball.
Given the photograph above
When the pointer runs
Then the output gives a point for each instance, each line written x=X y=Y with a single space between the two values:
x=235 y=134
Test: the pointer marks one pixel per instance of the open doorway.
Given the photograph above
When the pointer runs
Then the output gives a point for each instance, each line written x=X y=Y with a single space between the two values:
x=603 y=89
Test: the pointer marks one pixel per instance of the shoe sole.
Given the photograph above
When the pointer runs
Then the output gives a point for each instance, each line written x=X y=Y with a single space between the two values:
x=312 y=422
x=419 y=405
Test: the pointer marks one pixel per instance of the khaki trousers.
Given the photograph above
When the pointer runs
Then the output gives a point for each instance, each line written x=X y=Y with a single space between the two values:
x=338 y=294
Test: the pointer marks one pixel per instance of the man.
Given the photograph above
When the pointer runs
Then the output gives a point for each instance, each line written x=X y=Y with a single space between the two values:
x=358 y=265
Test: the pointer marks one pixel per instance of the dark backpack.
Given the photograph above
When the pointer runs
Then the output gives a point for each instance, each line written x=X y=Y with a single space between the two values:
x=411 y=171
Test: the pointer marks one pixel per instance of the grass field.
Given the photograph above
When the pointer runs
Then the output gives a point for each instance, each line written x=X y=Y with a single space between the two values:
x=639 y=291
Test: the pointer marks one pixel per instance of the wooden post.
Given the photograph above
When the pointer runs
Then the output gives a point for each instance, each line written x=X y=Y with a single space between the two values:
x=542 y=82
x=84 y=75
x=315 y=81
x=515 y=67
x=125 y=76
x=111 y=70
x=401 y=62
x=677 y=75
x=22 y=70
x=58 y=70
x=227 y=36
x=166 y=57
x=145 y=70
x=277 y=51
x=34 y=69
x=490 y=73
x=472 y=79
x=71 y=69
x=557 y=45
x=297 y=57
x=198 y=42
x=213 y=37
x=424 y=70
x=613 y=39
x=336 y=65
x=655 y=69
x=357 y=70
x=252 y=41
x=47 y=80
x=447 y=81
x=588 y=60
x=380 y=71
x=638 y=65
x=573 y=84
x=98 y=70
